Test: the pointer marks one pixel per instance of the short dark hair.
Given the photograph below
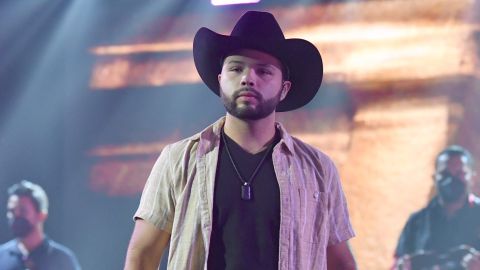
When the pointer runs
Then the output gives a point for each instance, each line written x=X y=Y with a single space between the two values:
x=33 y=191
x=455 y=150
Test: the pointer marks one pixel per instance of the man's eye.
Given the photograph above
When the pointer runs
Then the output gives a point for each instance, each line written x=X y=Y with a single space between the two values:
x=235 y=69
x=264 y=71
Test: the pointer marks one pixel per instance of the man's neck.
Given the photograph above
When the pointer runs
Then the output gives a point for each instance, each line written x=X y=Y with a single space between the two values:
x=33 y=240
x=452 y=208
x=252 y=135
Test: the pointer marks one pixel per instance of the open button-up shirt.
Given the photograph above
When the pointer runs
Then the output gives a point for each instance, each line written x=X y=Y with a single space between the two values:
x=178 y=199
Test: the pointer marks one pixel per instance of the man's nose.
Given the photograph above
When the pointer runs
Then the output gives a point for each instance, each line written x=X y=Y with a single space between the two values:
x=248 y=77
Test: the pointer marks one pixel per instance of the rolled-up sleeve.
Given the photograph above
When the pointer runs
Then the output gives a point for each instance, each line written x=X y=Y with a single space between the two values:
x=339 y=220
x=157 y=203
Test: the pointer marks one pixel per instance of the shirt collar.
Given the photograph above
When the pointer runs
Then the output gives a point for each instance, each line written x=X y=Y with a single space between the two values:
x=434 y=204
x=42 y=247
x=285 y=138
x=210 y=137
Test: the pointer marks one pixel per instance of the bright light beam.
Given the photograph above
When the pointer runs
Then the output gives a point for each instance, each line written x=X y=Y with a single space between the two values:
x=232 y=2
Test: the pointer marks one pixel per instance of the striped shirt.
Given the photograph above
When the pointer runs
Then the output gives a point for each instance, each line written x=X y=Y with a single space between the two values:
x=178 y=198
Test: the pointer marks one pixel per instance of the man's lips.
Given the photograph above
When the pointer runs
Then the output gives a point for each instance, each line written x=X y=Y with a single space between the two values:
x=248 y=94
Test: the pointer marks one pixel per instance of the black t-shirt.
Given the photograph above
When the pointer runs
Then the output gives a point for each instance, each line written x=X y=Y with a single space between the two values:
x=438 y=238
x=430 y=230
x=245 y=233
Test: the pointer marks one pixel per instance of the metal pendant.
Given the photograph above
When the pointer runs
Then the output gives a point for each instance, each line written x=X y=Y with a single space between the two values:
x=246 y=192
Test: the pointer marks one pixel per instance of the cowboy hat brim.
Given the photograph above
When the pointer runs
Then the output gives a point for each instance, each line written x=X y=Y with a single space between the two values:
x=301 y=57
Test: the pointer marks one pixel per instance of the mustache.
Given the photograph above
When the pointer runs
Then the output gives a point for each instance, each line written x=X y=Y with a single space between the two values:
x=247 y=90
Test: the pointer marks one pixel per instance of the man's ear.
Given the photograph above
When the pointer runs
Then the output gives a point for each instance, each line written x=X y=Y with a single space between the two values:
x=219 y=77
x=286 y=85
x=42 y=216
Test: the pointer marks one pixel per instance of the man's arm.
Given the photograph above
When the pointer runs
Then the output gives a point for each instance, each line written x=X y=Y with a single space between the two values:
x=340 y=257
x=146 y=246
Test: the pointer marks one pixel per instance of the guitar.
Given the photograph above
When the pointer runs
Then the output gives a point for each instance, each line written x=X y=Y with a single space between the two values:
x=453 y=259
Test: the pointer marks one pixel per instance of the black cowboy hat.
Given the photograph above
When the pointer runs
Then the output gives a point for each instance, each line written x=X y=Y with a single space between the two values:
x=260 y=31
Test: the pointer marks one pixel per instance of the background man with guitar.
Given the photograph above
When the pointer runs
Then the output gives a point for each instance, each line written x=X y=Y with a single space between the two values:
x=446 y=233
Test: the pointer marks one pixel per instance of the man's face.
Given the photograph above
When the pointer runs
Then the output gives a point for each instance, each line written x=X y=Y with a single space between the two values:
x=251 y=84
x=458 y=170
x=22 y=215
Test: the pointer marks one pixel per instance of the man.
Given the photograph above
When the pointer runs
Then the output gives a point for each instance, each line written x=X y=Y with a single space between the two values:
x=243 y=193
x=27 y=210
x=446 y=233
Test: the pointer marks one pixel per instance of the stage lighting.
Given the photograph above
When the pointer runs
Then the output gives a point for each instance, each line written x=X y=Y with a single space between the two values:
x=232 y=2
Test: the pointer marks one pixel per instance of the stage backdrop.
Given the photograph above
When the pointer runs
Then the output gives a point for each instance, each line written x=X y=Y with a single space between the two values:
x=91 y=92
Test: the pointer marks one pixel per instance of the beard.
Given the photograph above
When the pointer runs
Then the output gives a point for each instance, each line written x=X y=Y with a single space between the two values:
x=21 y=227
x=450 y=188
x=244 y=110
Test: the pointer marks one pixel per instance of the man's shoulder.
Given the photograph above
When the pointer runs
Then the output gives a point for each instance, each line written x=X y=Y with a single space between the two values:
x=7 y=246
x=208 y=135
x=297 y=142
x=62 y=253
x=421 y=214
x=9 y=255
x=57 y=247
x=302 y=148
x=180 y=144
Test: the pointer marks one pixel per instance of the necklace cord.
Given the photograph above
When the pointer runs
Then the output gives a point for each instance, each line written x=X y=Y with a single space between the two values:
x=250 y=180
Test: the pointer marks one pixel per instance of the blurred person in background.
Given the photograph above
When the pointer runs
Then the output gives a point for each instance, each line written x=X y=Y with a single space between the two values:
x=27 y=210
x=446 y=233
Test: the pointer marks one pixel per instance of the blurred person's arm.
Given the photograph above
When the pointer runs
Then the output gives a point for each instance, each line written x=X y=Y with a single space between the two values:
x=339 y=256
x=472 y=260
x=402 y=263
x=146 y=246
x=473 y=263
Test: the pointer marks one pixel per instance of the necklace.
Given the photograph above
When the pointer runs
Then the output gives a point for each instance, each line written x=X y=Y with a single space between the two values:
x=246 y=189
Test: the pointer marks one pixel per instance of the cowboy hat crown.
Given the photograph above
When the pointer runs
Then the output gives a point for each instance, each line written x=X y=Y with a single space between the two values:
x=260 y=31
